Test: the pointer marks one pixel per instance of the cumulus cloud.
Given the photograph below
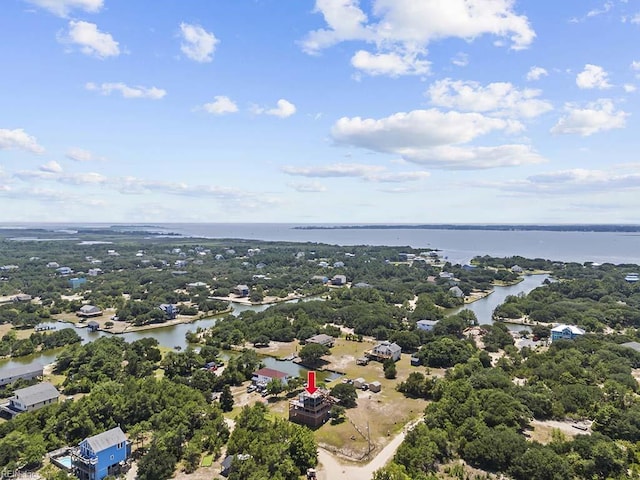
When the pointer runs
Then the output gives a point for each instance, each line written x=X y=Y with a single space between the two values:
x=391 y=64
x=596 y=117
x=52 y=167
x=502 y=98
x=62 y=8
x=126 y=91
x=536 y=73
x=283 y=109
x=402 y=29
x=593 y=76
x=197 y=44
x=629 y=88
x=436 y=138
x=220 y=106
x=90 y=40
x=18 y=139
x=371 y=173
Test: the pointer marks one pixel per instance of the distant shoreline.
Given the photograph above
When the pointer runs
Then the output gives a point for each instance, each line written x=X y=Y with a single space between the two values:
x=501 y=228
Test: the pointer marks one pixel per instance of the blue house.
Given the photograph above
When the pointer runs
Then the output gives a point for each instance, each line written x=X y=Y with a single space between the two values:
x=170 y=310
x=566 y=332
x=426 y=325
x=101 y=455
x=77 y=282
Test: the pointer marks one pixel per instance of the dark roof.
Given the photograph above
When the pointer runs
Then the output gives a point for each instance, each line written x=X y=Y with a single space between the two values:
x=271 y=373
x=107 y=439
x=37 y=393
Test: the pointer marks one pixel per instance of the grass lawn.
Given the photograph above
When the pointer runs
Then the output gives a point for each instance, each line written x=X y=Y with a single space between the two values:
x=207 y=461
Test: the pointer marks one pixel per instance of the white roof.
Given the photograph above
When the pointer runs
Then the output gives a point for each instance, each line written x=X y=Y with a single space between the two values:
x=575 y=330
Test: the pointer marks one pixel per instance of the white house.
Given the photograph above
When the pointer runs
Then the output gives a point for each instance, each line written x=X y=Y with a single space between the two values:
x=31 y=398
x=426 y=325
x=385 y=350
x=263 y=376
x=566 y=332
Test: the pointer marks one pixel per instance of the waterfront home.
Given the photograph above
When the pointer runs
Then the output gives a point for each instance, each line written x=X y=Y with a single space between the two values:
x=88 y=311
x=456 y=292
x=170 y=310
x=241 y=290
x=385 y=350
x=93 y=326
x=26 y=372
x=426 y=325
x=263 y=376
x=31 y=398
x=322 y=339
x=566 y=332
x=101 y=455
x=517 y=269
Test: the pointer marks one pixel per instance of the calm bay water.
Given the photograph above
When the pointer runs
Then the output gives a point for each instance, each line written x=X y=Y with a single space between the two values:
x=459 y=246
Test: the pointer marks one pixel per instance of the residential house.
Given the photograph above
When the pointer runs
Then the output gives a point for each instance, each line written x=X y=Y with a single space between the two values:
x=566 y=332
x=323 y=264
x=517 y=269
x=219 y=256
x=406 y=257
x=196 y=285
x=338 y=265
x=170 y=310
x=311 y=409
x=88 y=311
x=241 y=290
x=263 y=376
x=228 y=463
x=77 y=282
x=469 y=268
x=180 y=263
x=93 y=326
x=385 y=350
x=361 y=285
x=322 y=339
x=94 y=272
x=21 y=297
x=31 y=398
x=101 y=455
x=339 y=280
x=64 y=271
x=53 y=265
x=26 y=372
x=230 y=251
x=426 y=325
x=632 y=278
x=456 y=292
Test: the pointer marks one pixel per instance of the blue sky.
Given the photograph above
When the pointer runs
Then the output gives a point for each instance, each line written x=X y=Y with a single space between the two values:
x=377 y=111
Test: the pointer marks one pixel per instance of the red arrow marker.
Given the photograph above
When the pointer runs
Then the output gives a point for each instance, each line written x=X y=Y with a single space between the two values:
x=311 y=382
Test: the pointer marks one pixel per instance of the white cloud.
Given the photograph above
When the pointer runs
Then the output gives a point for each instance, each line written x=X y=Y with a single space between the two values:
x=79 y=155
x=593 y=76
x=431 y=137
x=220 y=106
x=52 y=167
x=62 y=8
x=402 y=29
x=460 y=60
x=635 y=65
x=475 y=158
x=636 y=19
x=126 y=91
x=313 y=187
x=629 y=88
x=502 y=98
x=90 y=40
x=391 y=64
x=371 y=173
x=18 y=139
x=283 y=109
x=197 y=44
x=597 y=117
x=600 y=11
x=536 y=73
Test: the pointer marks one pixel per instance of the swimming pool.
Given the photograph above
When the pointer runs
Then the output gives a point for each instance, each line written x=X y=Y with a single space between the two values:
x=64 y=461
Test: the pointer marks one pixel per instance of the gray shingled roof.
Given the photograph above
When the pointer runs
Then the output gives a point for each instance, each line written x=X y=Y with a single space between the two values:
x=37 y=393
x=107 y=439
x=21 y=370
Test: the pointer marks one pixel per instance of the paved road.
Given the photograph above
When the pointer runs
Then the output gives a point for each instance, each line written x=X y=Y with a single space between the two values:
x=332 y=469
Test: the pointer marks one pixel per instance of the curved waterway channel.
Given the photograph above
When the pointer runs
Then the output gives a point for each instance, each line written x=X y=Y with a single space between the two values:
x=174 y=335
